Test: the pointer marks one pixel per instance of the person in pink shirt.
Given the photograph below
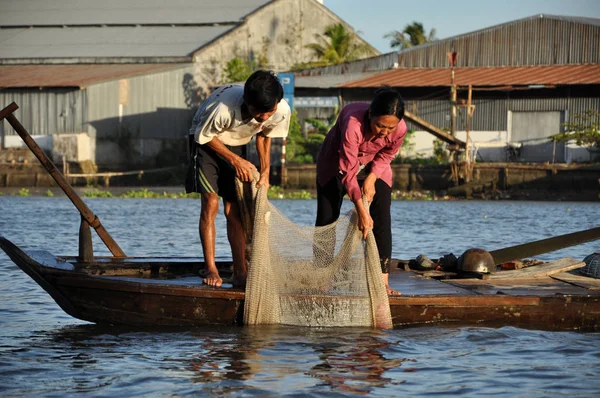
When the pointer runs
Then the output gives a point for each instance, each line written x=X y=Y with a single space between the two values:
x=355 y=159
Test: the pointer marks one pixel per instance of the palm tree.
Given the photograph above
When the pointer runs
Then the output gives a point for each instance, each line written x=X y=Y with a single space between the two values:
x=412 y=35
x=337 y=45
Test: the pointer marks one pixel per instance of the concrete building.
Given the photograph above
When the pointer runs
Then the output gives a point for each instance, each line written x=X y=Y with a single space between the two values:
x=117 y=82
x=528 y=76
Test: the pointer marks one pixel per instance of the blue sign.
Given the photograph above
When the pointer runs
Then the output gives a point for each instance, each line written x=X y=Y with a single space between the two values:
x=287 y=82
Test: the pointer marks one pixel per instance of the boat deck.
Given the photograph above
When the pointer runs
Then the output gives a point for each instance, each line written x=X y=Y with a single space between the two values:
x=413 y=284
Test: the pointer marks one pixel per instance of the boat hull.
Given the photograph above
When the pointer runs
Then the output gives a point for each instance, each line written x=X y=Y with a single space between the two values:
x=136 y=292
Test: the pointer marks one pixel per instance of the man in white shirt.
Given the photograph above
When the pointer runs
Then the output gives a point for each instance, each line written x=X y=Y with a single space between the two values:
x=221 y=128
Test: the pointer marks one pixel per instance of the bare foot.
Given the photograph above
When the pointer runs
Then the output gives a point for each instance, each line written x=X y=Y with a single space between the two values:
x=212 y=279
x=392 y=292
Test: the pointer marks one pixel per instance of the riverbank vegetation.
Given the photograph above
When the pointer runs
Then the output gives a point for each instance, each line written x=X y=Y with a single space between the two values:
x=274 y=193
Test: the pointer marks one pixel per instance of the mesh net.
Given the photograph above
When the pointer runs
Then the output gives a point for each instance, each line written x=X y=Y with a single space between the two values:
x=306 y=275
x=592 y=266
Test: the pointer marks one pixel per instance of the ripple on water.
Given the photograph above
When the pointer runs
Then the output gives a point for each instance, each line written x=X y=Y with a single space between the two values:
x=44 y=352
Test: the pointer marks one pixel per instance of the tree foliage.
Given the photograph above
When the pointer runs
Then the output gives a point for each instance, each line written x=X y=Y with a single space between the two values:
x=321 y=127
x=295 y=151
x=412 y=35
x=338 y=44
x=583 y=129
x=237 y=70
x=301 y=150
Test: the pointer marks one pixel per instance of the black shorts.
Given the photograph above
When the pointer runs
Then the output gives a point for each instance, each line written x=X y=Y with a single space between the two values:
x=208 y=172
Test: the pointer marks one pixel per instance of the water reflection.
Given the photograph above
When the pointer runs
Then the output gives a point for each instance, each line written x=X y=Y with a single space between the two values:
x=354 y=364
x=263 y=356
x=223 y=358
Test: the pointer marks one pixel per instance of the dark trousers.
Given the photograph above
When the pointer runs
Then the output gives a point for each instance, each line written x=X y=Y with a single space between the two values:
x=329 y=204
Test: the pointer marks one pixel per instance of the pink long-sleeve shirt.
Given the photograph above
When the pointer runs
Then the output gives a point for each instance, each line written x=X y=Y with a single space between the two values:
x=347 y=147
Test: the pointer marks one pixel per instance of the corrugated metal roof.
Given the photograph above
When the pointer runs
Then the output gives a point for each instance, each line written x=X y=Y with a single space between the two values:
x=376 y=63
x=526 y=41
x=520 y=76
x=328 y=81
x=118 y=12
x=73 y=75
x=581 y=20
x=536 y=40
x=521 y=21
x=106 y=41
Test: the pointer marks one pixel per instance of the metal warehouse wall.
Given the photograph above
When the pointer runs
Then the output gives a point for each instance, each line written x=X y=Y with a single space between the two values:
x=533 y=41
x=47 y=111
x=491 y=108
x=158 y=106
x=379 y=62
x=491 y=114
x=142 y=121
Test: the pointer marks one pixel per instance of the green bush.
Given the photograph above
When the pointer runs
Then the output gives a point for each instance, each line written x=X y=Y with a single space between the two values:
x=97 y=193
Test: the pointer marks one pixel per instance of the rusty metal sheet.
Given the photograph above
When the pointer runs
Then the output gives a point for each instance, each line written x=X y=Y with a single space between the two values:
x=490 y=77
x=74 y=75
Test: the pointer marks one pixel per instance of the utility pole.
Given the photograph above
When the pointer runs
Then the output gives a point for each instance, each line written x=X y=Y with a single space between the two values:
x=283 y=165
x=470 y=108
x=452 y=56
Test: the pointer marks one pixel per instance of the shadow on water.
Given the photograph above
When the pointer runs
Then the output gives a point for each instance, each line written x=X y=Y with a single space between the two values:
x=349 y=360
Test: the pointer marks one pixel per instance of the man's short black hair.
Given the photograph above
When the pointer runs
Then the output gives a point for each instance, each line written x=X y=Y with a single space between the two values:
x=263 y=90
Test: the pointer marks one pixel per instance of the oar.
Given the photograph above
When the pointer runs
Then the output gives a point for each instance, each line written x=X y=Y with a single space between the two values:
x=86 y=213
x=544 y=246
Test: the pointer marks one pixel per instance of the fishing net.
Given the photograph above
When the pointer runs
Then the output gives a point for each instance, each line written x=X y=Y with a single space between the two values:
x=306 y=275
x=592 y=266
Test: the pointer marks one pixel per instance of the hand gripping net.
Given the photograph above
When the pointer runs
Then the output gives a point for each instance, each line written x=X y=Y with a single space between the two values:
x=309 y=276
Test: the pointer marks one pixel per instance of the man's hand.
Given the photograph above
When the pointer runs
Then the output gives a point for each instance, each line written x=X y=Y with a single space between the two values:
x=263 y=180
x=244 y=170
x=368 y=188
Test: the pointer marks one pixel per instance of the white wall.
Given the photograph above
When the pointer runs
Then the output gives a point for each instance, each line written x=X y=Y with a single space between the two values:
x=580 y=154
x=489 y=145
x=74 y=147
x=280 y=31
x=15 y=141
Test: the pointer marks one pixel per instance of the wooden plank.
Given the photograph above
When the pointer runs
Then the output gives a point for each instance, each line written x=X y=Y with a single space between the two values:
x=546 y=269
x=464 y=301
x=437 y=132
x=534 y=286
x=410 y=284
x=578 y=280
x=554 y=312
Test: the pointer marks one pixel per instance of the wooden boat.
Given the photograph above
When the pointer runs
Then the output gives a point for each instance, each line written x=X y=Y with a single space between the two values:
x=168 y=291
x=142 y=291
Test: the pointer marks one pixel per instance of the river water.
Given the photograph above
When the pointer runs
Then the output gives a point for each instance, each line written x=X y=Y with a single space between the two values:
x=44 y=352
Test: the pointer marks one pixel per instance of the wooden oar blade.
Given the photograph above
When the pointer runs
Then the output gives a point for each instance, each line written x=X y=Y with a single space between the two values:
x=544 y=246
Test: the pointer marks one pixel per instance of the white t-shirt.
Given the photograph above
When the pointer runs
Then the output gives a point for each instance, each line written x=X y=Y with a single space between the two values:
x=221 y=116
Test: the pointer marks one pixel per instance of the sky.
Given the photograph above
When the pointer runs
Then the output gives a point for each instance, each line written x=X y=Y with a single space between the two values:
x=374 y=18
